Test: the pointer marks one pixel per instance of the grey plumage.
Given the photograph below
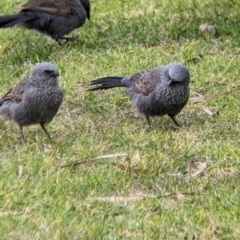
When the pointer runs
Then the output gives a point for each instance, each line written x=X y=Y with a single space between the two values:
x=55 y=18
x=162 y=90
x=35 y=99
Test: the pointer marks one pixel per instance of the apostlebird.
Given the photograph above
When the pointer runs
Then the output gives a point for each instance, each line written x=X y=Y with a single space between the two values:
x=162 y=90
x=35 y=99
x=55 y=18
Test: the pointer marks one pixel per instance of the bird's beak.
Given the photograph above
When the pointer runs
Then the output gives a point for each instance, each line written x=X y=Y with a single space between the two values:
x=55 y=74
x=171 y=83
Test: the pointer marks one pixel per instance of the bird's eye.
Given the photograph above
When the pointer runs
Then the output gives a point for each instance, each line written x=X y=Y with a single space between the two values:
x=48 y=71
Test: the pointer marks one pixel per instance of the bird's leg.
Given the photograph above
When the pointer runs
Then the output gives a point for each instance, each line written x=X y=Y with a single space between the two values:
x=174 y=120
x=148 y=121
x=21 y=134
x=45 y=130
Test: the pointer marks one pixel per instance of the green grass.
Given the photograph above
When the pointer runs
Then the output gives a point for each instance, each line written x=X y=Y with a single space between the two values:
x=103 y=198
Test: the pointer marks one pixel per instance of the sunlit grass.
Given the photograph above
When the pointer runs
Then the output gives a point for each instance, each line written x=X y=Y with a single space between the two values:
x=168 y=183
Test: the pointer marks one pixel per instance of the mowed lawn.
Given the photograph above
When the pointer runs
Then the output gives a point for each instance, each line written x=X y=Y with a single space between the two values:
x=105 y=175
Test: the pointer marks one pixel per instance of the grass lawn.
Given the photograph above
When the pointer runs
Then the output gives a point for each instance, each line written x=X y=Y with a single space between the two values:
x=134 y=183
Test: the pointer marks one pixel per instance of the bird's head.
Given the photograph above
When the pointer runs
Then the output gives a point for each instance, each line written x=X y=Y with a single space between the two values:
x=177 y=74
x=45 y=69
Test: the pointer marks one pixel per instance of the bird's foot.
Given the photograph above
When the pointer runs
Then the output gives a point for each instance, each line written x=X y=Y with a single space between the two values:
x=64 y=40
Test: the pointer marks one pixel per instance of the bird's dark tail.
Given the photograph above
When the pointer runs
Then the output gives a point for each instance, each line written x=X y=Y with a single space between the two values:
x=87 y=6
x=11 y=20
x=107 y=82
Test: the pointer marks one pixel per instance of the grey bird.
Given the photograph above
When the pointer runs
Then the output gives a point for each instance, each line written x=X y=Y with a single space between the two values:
x=35 y=99
x=55 y=18
x=162 y=90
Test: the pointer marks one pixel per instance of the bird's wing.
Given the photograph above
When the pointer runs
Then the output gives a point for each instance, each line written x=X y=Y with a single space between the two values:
x=15 y=94
x=49 y=6
x=143 y=83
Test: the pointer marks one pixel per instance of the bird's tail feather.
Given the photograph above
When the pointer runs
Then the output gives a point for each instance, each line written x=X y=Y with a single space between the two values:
x=107 y=82
x=11 y=20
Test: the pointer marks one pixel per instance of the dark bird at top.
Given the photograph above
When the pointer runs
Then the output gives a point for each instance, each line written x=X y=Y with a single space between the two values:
x=55 y=18
x=161 y=91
